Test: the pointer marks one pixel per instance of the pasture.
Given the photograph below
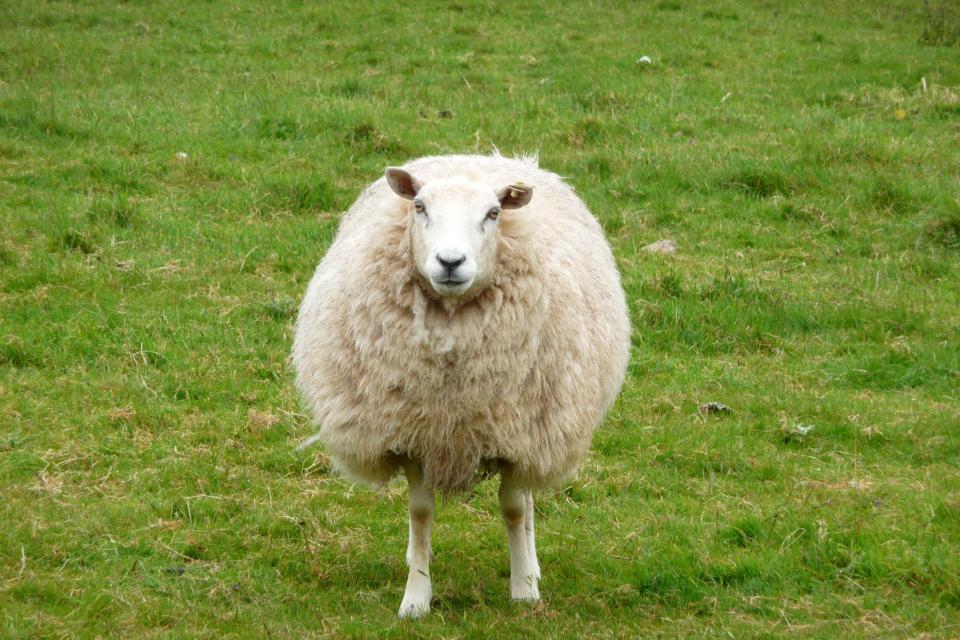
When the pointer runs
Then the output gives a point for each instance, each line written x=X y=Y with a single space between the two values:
x=170 y=174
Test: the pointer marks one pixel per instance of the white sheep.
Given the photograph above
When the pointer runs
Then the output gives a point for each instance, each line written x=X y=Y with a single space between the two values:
x=458 y=325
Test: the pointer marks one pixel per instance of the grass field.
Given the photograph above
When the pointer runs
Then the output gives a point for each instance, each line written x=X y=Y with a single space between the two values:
x=170 y=173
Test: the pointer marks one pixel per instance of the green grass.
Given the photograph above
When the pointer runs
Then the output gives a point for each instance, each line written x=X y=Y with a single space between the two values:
x=171 y=173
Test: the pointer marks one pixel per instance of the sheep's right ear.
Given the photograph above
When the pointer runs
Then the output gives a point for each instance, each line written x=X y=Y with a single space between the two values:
x=402 y=183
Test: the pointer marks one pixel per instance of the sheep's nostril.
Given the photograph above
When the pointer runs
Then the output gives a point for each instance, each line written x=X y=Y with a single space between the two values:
x=449 y=263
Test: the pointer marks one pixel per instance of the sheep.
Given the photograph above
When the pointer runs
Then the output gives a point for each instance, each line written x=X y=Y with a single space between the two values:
x=459 y=326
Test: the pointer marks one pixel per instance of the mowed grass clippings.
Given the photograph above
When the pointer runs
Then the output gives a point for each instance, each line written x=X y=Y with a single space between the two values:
x=170 y=174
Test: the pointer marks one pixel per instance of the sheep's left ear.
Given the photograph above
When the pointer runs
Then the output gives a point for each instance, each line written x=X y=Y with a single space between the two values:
x=514 y=196
x=402 y=183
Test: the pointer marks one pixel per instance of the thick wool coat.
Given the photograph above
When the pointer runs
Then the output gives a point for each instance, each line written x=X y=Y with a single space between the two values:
x=522 y=372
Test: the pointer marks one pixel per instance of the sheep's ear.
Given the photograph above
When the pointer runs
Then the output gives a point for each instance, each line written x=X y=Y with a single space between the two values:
x=402 y=183
x=514 y=196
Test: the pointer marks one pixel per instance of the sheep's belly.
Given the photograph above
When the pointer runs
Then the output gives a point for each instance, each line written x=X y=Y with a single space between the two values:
x=455 y=436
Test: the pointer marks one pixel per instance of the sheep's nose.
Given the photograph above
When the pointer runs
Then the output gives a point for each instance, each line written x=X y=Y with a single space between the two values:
x=450 y=263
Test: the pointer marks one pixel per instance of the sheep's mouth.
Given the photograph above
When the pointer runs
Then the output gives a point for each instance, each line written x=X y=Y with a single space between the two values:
x=451 y=286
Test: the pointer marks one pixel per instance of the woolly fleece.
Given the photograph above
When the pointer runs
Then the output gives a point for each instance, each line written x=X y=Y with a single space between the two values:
x=522 y=372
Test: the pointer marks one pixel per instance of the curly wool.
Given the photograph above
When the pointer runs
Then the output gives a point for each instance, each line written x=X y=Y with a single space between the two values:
x=522 y=372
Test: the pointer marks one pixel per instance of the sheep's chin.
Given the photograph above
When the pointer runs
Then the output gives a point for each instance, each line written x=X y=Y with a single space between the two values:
x=449 y=290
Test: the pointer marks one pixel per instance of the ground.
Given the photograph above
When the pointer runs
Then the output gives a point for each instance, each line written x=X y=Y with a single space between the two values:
x=171 y=173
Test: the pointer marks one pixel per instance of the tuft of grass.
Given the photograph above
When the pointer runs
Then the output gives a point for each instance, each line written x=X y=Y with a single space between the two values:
x=39 y=121
x=757 y=181
x=711 y=14
x=279 y=128
x=891 y=196
x=299 y=195
x=14 y=354
x=8 y=254
x=75 y=240
x=941 y=24
x=945 y=227
x=118 y=211
x=365 y=138
x=281 y=308
x=803 y=213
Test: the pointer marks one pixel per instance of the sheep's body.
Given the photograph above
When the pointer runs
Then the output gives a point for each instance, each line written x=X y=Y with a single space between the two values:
x=522 y=372
x=443 y=338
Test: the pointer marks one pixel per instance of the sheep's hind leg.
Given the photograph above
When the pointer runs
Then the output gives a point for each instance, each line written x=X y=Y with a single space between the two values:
x=416 y=598
x=528 y=528
x=514 y=506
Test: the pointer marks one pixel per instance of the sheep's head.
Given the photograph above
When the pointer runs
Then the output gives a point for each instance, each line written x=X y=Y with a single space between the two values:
x=455 y=228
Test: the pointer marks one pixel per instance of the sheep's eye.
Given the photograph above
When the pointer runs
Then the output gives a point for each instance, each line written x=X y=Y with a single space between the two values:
x=419 y=206
x=493 y=213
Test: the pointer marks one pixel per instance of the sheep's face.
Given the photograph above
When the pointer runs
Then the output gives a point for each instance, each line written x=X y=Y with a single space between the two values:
x=455 y=228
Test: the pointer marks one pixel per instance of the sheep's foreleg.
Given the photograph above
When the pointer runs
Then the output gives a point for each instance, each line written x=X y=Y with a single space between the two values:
x=514 y=506
x=416 y=598
x=531 y=542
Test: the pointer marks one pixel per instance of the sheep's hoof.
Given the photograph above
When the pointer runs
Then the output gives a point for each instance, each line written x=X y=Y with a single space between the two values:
x=527 y=590
x=417 y=595
x=411 y=609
